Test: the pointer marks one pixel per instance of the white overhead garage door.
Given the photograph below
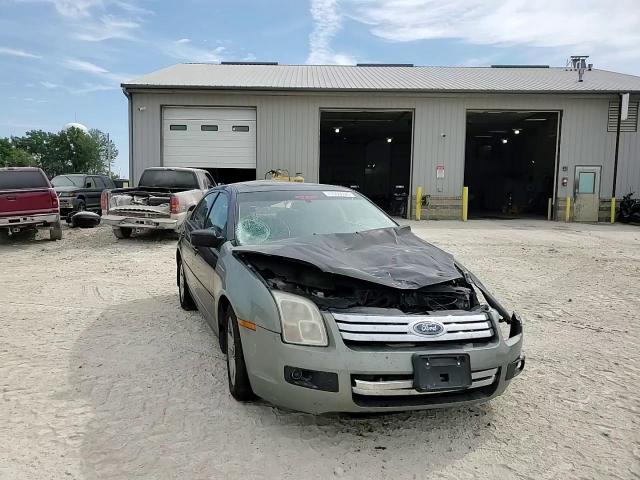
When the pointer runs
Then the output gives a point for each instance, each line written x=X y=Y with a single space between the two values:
x=208 y=137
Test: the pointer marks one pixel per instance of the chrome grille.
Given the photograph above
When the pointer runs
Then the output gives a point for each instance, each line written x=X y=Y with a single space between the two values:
x=458 y=326
x=392 y=388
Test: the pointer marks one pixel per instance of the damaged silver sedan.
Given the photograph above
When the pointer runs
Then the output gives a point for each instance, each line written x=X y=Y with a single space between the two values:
x=323 y=303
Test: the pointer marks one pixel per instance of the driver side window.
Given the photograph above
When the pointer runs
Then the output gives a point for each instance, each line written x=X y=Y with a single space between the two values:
x=218 y=215
x=199 y=215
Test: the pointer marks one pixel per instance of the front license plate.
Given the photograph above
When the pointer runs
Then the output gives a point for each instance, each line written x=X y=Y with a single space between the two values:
x=434 y=373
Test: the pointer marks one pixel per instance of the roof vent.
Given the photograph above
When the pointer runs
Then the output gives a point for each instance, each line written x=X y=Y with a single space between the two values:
x=519 y=66
x=248 y=63
x=385 y=65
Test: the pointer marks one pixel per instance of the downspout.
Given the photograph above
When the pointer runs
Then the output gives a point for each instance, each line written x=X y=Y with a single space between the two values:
x=615 y=160
x=130 y=101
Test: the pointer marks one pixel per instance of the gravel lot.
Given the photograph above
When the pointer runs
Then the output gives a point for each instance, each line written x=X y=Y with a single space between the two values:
x=102 y=375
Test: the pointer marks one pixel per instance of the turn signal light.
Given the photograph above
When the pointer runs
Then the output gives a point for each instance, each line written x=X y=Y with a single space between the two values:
x=174 y=204
x=54 y=198
x=104 y=201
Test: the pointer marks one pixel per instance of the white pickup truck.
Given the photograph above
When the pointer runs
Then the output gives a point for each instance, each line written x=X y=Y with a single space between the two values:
x=161 y=200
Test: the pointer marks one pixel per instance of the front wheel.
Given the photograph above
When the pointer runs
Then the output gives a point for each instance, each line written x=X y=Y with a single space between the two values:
x=186 y=300
x=239 y=385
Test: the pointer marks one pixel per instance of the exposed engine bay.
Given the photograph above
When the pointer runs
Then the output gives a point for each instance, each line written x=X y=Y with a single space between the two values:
x=332 y=291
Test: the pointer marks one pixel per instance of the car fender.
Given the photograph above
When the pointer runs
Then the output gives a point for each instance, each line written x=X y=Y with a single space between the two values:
x=249 y=296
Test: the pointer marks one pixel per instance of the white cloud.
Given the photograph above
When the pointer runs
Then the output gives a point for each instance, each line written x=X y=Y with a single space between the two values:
x=107 y=27
x=113 y=79
x=595 y=27
x=49 y=85
x=185 y=50
x=83 y=66
x=76 y=8
x=327 y=22
x=16 y=52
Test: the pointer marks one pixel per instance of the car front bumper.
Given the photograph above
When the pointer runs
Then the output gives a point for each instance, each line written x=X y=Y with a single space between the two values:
x=493 y=365
x=141 y=222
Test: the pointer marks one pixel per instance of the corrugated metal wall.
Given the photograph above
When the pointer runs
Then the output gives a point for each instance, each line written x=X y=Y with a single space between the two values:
x=288 y=131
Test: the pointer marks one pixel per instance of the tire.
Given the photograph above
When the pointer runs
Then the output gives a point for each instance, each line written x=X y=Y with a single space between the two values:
x=81 y=206
x=186 y=300
x=55 y=233
x=239 y=385
x=122 y=232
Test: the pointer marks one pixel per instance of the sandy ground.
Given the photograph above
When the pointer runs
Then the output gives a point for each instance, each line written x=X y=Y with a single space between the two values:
x=102 y=375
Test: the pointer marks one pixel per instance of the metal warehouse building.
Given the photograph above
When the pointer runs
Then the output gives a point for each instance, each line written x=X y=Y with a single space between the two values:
x=515 y=136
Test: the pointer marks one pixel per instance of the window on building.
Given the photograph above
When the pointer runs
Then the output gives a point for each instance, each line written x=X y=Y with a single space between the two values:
x=177 y=127
x=209 y=128
x=240 y=128
x=628 y=125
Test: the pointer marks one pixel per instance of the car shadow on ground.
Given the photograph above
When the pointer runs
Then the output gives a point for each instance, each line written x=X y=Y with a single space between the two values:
x=155 y=383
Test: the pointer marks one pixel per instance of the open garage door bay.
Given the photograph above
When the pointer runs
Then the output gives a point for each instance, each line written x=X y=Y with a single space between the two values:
x=220 y=140
x=369 y=151
x=510 y=162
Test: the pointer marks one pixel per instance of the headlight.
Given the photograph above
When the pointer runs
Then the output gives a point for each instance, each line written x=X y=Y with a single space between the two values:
x=66 y=194
x=302 y=322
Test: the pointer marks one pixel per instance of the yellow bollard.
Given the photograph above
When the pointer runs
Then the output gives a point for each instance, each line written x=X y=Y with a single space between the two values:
x=418 y=202
x=465 y=203
x=549 y=209
x=613 y=210
x=567 y=210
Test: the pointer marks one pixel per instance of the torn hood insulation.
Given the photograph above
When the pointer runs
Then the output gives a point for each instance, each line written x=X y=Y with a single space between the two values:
x=393 y=257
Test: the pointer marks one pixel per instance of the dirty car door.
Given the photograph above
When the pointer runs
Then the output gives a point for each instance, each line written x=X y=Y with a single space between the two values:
x=190 y=253
x=206 y=261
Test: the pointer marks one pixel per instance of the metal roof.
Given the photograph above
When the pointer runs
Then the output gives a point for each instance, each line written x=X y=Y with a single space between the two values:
x=385 y=78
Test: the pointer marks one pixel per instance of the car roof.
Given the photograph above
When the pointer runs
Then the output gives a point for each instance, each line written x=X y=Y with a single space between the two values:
x=20 y=169
x=179 y=169
x=274 y=186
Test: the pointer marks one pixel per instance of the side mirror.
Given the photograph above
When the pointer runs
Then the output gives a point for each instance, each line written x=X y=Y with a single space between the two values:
x=211 y=238
x=88 y=185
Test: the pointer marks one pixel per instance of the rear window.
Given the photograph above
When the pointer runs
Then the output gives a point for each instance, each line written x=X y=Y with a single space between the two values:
x=169 y=179
x=17 y=179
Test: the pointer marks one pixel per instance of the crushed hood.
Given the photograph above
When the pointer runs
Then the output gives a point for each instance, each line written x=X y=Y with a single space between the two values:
x=394 y=257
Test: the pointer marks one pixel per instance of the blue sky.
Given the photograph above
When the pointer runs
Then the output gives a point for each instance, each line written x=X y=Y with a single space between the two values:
x=63 y=60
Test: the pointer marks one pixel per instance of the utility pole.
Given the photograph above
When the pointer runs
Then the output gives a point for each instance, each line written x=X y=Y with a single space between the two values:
x=109 y=154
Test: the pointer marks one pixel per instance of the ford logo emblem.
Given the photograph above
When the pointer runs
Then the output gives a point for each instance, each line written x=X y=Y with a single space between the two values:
x=428 y=328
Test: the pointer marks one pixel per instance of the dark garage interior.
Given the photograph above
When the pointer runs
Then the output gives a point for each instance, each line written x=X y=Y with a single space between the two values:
x=510 y=162
x=369 y=151
x=232 y=175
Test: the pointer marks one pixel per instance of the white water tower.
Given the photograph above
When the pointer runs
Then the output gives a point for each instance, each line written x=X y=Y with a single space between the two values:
x=79 y=126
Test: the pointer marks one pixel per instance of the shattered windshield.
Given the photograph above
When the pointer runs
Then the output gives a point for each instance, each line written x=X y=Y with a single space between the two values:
x=265 y=217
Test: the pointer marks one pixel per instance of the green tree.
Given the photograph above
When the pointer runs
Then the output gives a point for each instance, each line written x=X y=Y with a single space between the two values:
x=10 y=156
x=68 y=151
x=78 y=151
x=106 y=148
x=41 y=146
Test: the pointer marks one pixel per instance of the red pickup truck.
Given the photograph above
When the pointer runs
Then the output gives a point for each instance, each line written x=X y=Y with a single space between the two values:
x=28 y=202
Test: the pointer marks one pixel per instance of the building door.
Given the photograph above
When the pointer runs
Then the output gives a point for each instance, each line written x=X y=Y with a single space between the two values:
x=587 y=194
x=220 y=140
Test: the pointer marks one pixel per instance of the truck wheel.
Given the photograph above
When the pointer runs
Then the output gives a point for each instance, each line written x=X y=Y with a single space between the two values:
x=81 y=206
x=56 y=231
x=122 y=232
x=186 y=300
x=239 y=385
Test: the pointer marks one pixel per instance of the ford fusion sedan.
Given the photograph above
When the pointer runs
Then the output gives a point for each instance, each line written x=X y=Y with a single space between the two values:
x=323 y=303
